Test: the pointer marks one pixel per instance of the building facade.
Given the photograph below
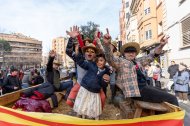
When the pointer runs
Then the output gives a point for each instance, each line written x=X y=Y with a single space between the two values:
x=26 y=51
x=178 y=22
x=59 y=45
x=122 y=22
x=150 y=20
x=131 y=24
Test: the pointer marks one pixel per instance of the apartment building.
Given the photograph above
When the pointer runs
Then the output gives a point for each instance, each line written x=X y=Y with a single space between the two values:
x=26 y=51
x=59 y=45
x=178 y=22
x=150 y=21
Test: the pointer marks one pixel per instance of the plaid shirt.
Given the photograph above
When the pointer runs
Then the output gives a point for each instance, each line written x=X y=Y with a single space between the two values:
x=126 y=78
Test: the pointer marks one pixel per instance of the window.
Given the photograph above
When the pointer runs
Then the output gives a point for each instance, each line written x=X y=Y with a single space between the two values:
x=148 y=32
x=127 y=15
x=186 y=31
x=127 y=4
x=147 y=11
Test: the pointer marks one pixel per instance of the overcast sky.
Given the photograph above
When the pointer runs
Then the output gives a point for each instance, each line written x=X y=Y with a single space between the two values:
x=47 y=19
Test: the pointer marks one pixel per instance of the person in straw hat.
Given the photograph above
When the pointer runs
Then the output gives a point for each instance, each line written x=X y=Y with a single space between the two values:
x=53 y=75
x=130 y=78
x=88 y=101
x=89 y=53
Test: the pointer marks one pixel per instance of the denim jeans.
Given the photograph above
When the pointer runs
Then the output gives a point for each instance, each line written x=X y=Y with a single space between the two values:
x=66 y=85
x=24 y=85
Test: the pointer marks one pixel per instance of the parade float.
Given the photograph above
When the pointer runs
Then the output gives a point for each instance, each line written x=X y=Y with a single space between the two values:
x=171 y=115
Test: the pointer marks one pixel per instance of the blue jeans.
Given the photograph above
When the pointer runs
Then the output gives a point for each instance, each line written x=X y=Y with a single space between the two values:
x=66 y=85
x=24 y=85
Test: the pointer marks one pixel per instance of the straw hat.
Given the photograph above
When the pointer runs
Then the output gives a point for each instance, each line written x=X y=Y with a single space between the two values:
x=131 y=44
x=90 y=46
x=87 y=39
x=56 y=62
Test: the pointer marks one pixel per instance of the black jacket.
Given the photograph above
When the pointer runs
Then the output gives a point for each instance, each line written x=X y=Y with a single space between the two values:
x=172 y=70
x=38 y=80
x=11 y=82
x=100 y=77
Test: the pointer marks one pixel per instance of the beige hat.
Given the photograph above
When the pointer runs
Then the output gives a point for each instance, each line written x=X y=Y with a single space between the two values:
x=90 y=46
x=56 y=62
x=131 y=44
x=114 y=44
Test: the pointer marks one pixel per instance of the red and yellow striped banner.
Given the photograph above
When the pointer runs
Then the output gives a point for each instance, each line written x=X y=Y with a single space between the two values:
x=10 y=117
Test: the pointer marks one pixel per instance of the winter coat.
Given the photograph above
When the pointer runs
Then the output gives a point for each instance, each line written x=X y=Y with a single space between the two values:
x=184 y=78
x=52 y=75
x=38 y=80
x=11 y=82
x=91 y=80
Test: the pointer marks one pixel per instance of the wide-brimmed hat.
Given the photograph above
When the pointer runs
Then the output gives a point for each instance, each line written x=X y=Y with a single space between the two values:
x=87 y=39
x=56 y=62
x=131 y=44
x=90 y=46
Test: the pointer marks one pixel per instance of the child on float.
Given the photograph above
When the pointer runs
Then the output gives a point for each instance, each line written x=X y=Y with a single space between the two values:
x=102 y=69
x=88 y=101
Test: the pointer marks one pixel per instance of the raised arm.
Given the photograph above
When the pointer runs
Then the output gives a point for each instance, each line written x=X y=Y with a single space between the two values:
x=73 y=33
x=97 y=42
x=150 y=57
x=113 y=61
x=81 y=61
x=70 y=49
x=52 y=55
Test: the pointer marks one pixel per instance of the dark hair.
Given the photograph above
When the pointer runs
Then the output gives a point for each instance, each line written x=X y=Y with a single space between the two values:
x=100 y=56
x=13 y=69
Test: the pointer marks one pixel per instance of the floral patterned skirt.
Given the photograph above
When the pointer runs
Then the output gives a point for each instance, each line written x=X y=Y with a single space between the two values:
x=88 y=103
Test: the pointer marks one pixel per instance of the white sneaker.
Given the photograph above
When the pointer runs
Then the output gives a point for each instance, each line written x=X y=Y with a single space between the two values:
x=179 y=100
x=185 y=101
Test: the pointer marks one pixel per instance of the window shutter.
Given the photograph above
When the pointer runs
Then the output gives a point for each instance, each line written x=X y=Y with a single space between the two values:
x=186 y=31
